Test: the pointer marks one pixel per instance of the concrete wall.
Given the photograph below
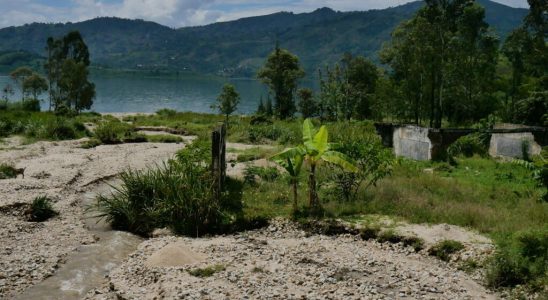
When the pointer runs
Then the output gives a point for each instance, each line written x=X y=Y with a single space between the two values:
x=510 y=145
x=412 y=142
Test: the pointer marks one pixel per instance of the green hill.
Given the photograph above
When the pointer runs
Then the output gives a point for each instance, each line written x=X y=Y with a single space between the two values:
x=236 y=48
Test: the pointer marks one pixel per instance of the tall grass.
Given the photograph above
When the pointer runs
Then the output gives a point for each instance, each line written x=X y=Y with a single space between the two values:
x=40 y=126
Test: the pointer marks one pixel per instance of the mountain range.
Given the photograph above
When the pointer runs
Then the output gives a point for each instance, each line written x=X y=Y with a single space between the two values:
x=234 y=48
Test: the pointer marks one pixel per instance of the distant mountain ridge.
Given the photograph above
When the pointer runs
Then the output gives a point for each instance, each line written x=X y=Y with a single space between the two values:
x=237 y=48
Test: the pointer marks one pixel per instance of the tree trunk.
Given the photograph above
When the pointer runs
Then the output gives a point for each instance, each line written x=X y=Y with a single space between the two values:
x=312 y=196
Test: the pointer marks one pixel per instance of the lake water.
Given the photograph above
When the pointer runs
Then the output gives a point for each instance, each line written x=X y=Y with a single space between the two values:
x=140 y=93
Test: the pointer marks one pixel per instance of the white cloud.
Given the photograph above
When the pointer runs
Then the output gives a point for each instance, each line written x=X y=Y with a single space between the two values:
x=176 y=13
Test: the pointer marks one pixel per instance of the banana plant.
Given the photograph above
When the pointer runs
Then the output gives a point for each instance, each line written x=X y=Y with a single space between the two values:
x=313 y=151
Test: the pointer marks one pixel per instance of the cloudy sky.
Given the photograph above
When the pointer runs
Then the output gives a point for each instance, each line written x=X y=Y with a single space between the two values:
x=175 y=13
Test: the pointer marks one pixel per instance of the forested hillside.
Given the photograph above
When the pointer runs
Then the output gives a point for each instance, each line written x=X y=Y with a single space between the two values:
x=236 y=47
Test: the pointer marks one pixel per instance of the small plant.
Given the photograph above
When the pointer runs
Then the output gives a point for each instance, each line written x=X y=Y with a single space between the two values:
x=41 y=209
x=445 y=248
x=469 y=265
x=91 y=143
x=164 y=138
x=368 y=233
x=415 y=242
x=267 y=174
x=315 y=148
x=257 y=270
x=7 y=171
x=113 y=132
x=467 y=146
x=389 y=236
x=207 y=271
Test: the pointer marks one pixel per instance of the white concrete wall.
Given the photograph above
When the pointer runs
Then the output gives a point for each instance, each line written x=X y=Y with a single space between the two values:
x=509 y=145
x=412 y=142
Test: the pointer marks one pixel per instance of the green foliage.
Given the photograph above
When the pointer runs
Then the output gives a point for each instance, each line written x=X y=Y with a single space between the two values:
x=281 y=73
x=468 y=146
x=7 y=171
x=445 y=248
x=267 y=174
x=40 y=126
x=19 y=76
x=164 y=138
x=523 y=258
x=228 y=100
x=41 y=209
x=31 y=105
x=307 y=104
x=114 y=132
x=207 y=271
x=178 y=195
x=166 y=113
x=35 y=84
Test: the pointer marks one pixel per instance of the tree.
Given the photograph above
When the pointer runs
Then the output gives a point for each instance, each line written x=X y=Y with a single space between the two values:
x=19 y=75
x=35 y=85
x=307 y=105
x=269 y=111
x=281 y=73
x=261 y=110
x=292 y=161
x=7 y=91
x=444 y=59
x=228 y=100
x=313 y=151
x=66 y=68
x=75 y=91
x=360 y=79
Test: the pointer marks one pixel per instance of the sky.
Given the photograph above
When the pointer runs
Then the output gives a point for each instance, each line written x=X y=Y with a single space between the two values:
x=176 y=13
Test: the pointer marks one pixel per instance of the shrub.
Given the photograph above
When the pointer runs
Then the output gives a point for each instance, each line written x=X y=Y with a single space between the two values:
x=58 y=129
x=389 y=236
x=178 y=195
x=7 y=171
x=91 y=143
x=165 y=112
x=369 y=232
x=445 y=248
x=113 y=132
x=467 y=146
x=41 y=209
x=521 y=260
x=31 y=105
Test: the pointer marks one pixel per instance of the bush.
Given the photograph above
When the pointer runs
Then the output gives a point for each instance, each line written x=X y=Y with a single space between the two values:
x=467 y=146
x=178 y=195
x=165 y=112
x=113 y=132
x=445 y=248
x=41 y=209
x=31 y=105
x=164 y=138
x=267 y=174
x=521 y=260
x=59 y=129
x=7 y=171
x=206 y=272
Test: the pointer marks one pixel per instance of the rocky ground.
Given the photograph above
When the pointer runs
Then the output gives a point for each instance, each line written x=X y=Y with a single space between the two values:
x=284 y=262
x=278 y=262
x=29 y=251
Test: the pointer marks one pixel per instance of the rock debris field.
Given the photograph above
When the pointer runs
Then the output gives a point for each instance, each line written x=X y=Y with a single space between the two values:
x=280 y=261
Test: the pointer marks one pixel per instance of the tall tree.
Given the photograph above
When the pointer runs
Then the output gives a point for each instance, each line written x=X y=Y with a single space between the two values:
x=19 y=75
x=228 y=100
x=281 y=73
x=360 y=80
x=35 y=85
x=307 y=104
x=66 y=68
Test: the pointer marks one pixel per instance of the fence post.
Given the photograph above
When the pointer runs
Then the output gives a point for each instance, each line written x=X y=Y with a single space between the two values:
x=218 y=157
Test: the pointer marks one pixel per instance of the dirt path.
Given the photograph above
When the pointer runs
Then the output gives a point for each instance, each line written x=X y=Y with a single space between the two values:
x=30 y=252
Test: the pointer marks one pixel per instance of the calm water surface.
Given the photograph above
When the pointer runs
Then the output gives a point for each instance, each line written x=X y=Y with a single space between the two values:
x=140 y=93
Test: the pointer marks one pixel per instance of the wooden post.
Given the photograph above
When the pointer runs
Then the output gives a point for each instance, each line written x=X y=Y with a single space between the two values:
x=218 y=158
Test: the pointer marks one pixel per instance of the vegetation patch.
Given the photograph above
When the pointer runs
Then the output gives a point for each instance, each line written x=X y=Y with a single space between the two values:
x=445 y=248
x=207 y=271
x=164 y=138
x=7 y=171
x=523 y=258
x=41 y=209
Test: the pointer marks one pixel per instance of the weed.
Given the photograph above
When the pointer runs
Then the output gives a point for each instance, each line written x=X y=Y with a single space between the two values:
x=207 y=271
x=41 y=209
x=7 y=171
x=414 y=242
x=368 y=233
x=389 y=236
x=445 y=248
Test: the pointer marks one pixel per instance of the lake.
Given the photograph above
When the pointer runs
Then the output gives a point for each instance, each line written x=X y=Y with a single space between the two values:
x=139 y=93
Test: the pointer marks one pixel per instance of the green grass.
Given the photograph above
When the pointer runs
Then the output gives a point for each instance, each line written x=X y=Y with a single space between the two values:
x=7 y=171
x=41 y=209
x=35 y=126
x=445 y=248
x=164 y=138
